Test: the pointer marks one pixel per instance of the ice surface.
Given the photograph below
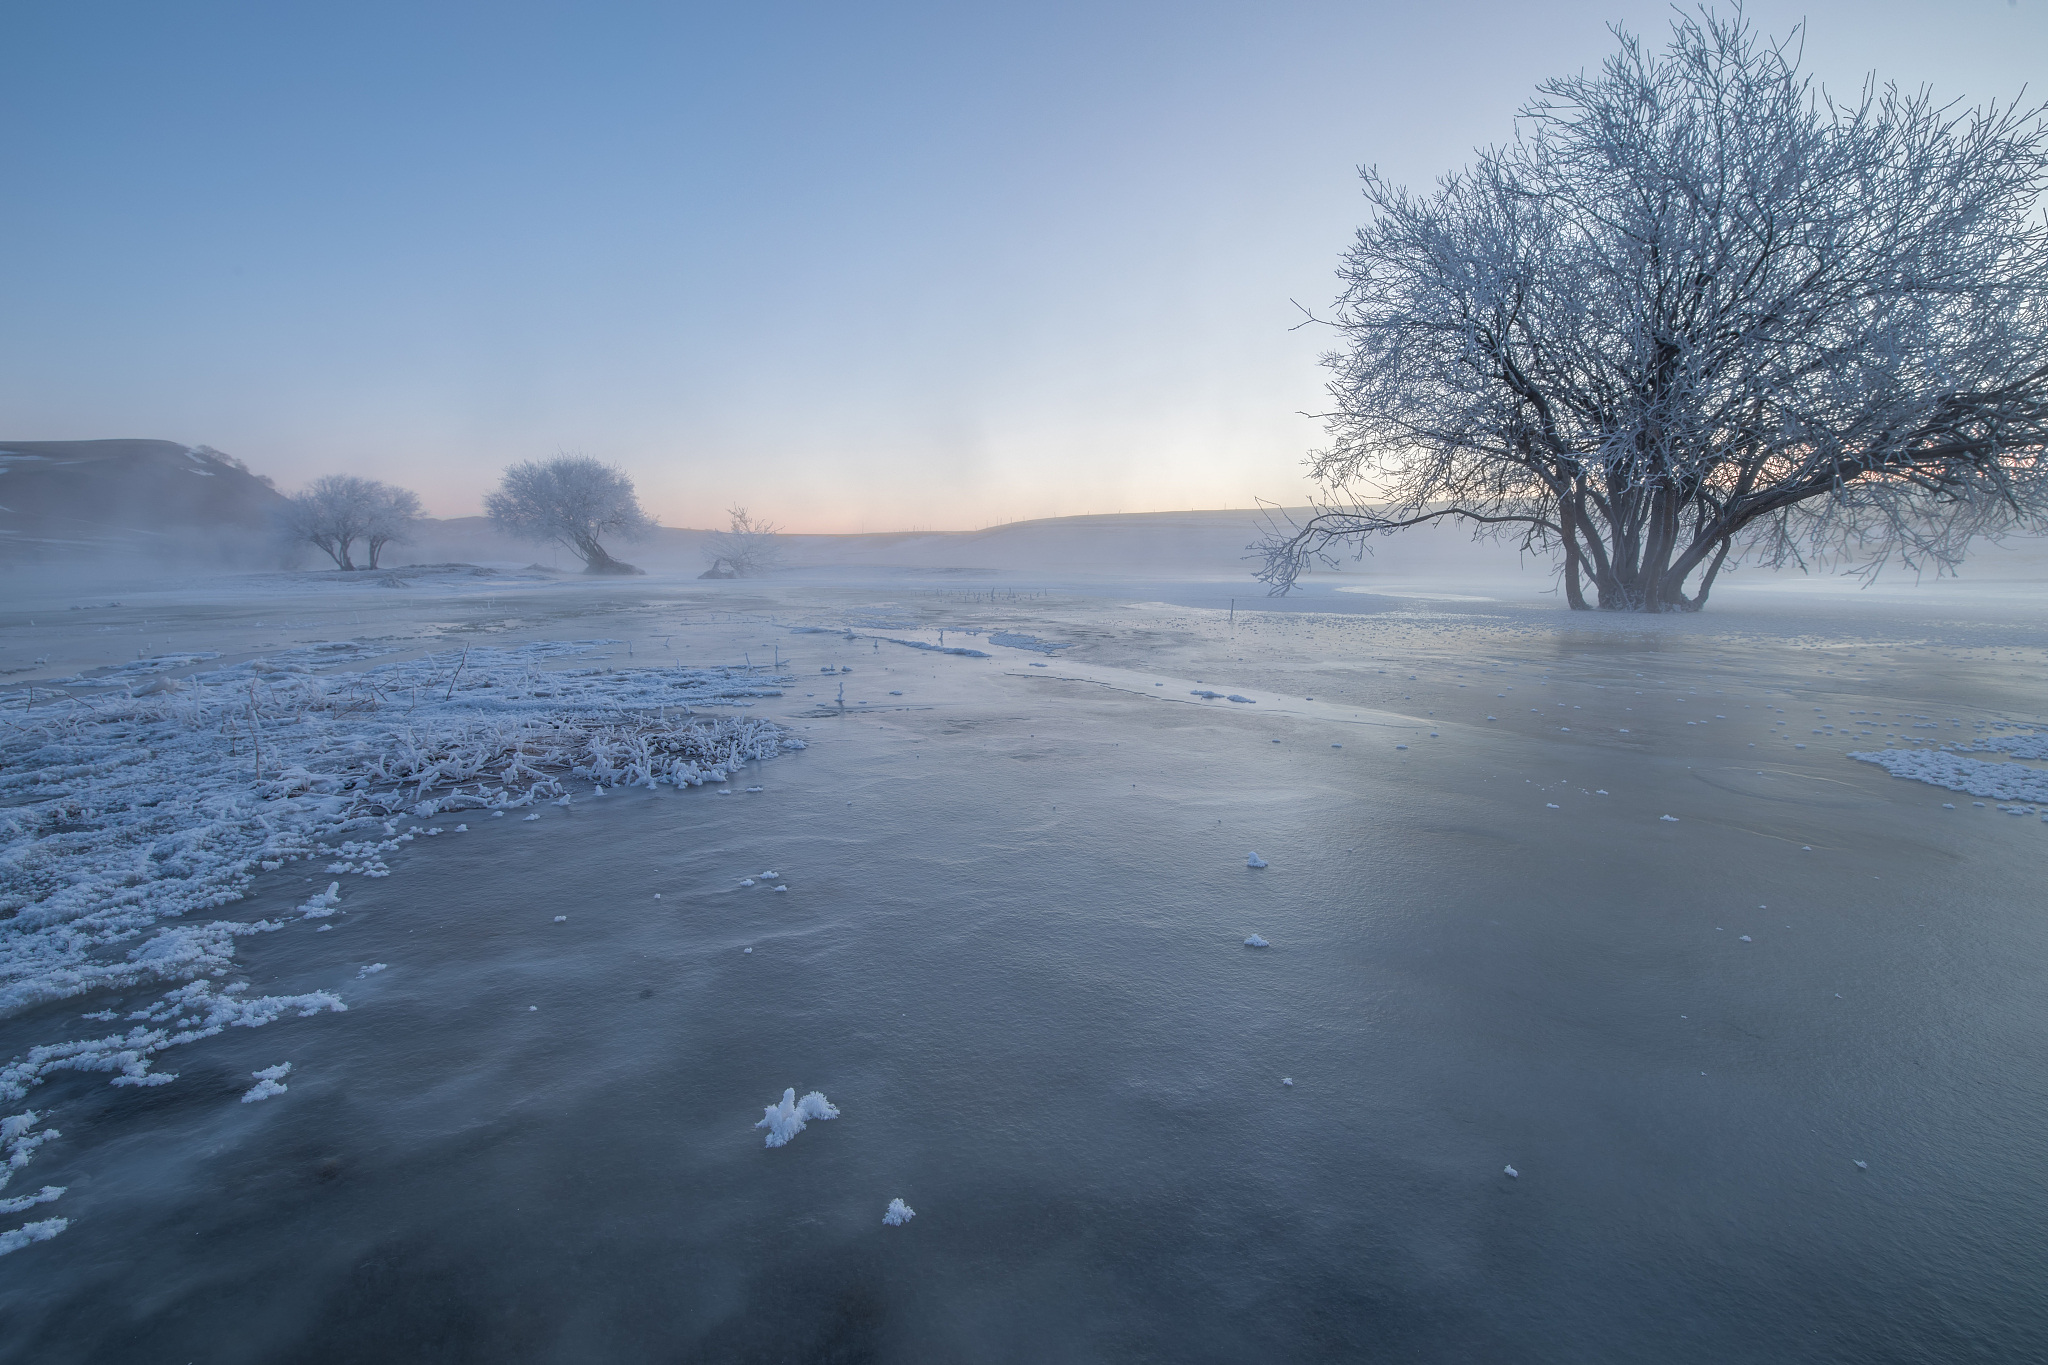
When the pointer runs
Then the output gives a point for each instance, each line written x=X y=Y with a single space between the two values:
x=898 y=1213
x=935 y=649
x=154 y=804
x=785 y=1120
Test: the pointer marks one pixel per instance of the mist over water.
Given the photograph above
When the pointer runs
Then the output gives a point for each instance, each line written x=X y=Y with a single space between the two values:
x=1012 y=954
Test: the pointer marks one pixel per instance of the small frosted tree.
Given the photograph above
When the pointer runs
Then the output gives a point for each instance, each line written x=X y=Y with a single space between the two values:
x=335 y=512
x=747 y=548
x=1698 y=310
x=391 y=519
x=574 y=501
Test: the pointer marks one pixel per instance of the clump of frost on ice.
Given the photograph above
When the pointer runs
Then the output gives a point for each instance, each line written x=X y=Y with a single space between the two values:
x=32 y=1232
x=1972 y=776
x=186 y=1015
x=534 y=816
x=371 y=969
x=898 y=1213
x=1511 y=1171
x=322 y=904
x=785 y=1120
x=269 y=1081
x=28 y=1201
x=1254 y=860
x=1256 y=942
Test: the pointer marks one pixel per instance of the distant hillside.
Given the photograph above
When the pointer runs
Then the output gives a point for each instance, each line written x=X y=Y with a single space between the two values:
x=62 y=498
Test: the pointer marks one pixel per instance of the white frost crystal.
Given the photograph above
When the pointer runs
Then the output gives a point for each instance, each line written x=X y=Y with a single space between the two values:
x=898 y=1214
x=785 y=1120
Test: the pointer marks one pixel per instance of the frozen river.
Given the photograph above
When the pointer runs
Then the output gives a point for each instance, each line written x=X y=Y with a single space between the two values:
x=1759 y=1027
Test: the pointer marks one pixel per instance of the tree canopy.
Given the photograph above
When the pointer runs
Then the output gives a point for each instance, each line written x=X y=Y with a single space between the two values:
x=1696 y=311
x=336 y=511
x=573 y=500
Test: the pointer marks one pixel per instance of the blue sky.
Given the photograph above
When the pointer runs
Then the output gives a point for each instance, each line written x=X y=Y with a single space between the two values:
x=859 y=268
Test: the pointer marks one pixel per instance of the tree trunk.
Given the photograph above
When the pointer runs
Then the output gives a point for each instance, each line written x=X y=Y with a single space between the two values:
x=596 y=561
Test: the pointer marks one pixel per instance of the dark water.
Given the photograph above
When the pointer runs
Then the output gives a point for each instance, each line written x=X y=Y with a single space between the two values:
x=1012 y=953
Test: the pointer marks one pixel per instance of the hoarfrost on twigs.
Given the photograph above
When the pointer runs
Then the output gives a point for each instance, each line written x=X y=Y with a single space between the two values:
x=785 y=1120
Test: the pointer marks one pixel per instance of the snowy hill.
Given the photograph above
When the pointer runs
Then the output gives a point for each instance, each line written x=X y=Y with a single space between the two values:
x=59 y=499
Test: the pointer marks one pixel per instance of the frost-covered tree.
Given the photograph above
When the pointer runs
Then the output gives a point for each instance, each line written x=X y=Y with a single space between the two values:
x=1698 y=311
x=747 y=548
x=336 y=511
x=572 y=500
